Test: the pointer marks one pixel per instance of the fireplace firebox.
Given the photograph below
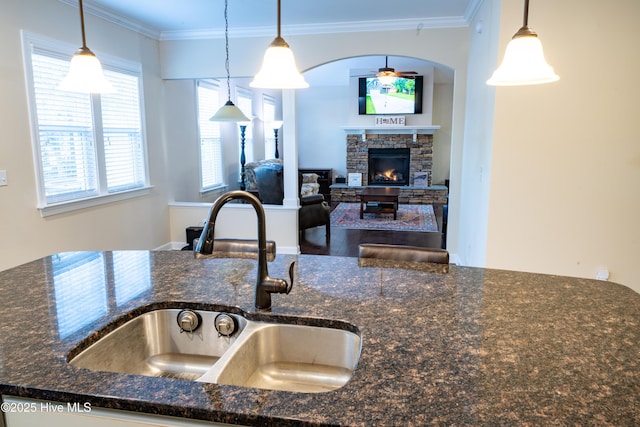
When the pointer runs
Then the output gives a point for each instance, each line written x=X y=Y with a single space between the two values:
x=389 y=166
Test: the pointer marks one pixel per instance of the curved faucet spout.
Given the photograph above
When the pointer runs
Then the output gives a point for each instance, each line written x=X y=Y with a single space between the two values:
x=265 y=285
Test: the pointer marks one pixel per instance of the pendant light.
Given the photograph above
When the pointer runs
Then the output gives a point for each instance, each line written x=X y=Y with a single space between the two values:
x=228 y=112
x=279 y=70
x=85 y=73
x=523 y=62
x=386 y=76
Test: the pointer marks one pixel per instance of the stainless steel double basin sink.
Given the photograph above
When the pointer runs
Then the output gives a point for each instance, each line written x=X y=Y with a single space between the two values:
x=258 y=354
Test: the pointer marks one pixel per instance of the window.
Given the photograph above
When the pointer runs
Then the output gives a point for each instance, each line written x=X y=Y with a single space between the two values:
x=211 y=164
x=269 y=113
x=88 y=148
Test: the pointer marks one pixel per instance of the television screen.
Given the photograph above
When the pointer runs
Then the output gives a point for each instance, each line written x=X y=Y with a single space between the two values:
x=403 y=96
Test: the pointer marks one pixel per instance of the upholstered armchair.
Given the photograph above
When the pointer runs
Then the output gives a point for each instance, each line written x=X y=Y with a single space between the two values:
x=314 y=211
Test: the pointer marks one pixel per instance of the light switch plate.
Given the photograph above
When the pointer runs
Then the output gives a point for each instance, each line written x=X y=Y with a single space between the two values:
x=3 y=178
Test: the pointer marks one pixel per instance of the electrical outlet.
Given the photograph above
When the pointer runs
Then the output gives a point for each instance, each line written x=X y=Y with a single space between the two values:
x=602 y=274
x=3 y=178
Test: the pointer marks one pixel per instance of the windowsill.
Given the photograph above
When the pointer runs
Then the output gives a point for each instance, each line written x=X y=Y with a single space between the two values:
x=209 y=191
x=75 y=205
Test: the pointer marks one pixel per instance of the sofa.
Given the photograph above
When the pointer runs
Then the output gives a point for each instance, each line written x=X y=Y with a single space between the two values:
x=309 y=180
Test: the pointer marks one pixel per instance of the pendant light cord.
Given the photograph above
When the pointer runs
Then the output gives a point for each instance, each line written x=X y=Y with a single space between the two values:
x=525 y=22
x=278 y=18
x=226 y=47
x=84 y=40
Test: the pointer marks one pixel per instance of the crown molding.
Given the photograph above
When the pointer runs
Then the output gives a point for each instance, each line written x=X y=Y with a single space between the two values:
x=322 y=28
x=416 y=24
x=472 y=10
x=109 y=16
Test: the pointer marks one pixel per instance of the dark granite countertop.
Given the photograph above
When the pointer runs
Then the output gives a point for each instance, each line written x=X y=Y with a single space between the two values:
x=470 y=347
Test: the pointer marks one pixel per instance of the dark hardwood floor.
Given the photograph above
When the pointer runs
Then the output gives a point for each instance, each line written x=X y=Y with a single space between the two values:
x=344 y=241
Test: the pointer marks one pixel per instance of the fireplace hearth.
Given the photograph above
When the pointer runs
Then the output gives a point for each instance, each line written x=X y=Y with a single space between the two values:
x=389 y=166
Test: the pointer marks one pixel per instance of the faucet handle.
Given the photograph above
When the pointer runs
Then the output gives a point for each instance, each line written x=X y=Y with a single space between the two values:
x=290 y=277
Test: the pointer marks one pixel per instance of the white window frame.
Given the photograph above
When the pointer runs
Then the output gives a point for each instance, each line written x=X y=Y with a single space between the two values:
x=31 y=42
x=212 y=85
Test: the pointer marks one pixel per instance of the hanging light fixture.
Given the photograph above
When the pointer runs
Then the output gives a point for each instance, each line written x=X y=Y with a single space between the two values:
x=386 y=76
x=85 y=73
x=279 y=70
x=523 y=62
x=228 y=112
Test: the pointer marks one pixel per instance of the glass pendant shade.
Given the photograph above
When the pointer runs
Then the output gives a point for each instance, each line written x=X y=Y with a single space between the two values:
x=523 y=64
x=85 y=74
x=85 y=71
x=279 y=70
x=229 y=113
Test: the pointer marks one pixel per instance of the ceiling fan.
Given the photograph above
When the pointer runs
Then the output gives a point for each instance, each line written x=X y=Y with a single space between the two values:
x=387 y=72
x=387 y=75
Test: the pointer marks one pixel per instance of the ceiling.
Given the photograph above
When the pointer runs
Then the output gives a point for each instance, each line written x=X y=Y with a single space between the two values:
x=193 y=19
x=169 y=19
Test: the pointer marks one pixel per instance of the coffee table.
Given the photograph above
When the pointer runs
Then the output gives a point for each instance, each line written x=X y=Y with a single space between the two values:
x=386 y=197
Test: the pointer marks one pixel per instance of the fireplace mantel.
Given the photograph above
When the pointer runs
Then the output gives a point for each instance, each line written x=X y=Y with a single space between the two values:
x=414 y=130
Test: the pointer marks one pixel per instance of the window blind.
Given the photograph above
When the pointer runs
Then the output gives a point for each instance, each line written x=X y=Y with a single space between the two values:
x=66 y=134
x=122 y=133
x=211 y=163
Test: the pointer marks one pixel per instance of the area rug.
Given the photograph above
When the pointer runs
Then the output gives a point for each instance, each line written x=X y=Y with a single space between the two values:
x=409 y=218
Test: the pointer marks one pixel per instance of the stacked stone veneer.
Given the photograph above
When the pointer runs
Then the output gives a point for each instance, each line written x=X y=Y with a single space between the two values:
x=421 y=152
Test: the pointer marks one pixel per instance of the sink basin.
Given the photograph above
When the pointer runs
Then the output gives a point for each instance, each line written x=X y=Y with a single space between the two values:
x=289 y=357
x=259 y=354
x=153 y=344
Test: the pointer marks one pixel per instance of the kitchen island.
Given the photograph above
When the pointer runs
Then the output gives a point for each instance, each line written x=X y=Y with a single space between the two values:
x=468 y=347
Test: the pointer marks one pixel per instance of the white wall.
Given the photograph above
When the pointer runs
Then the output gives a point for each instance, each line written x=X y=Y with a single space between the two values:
x=25 y=235
x=322 y=142
x=565 y=161
x=282 y=225
x=443 y=117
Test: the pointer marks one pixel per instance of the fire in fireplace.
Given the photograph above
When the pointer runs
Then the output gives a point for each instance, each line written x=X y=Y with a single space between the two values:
x=389 y=166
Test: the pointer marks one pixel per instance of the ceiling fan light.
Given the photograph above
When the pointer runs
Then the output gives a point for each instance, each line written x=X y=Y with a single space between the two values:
x=229 y=113
x=85 y=74
x=279 y=70
x=386 y=78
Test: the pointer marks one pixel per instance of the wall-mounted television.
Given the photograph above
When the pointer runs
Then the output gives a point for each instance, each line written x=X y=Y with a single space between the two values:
x=404 y=96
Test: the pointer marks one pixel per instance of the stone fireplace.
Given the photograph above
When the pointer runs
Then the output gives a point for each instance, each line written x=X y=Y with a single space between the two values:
x=420 y=153
x=419 y=147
